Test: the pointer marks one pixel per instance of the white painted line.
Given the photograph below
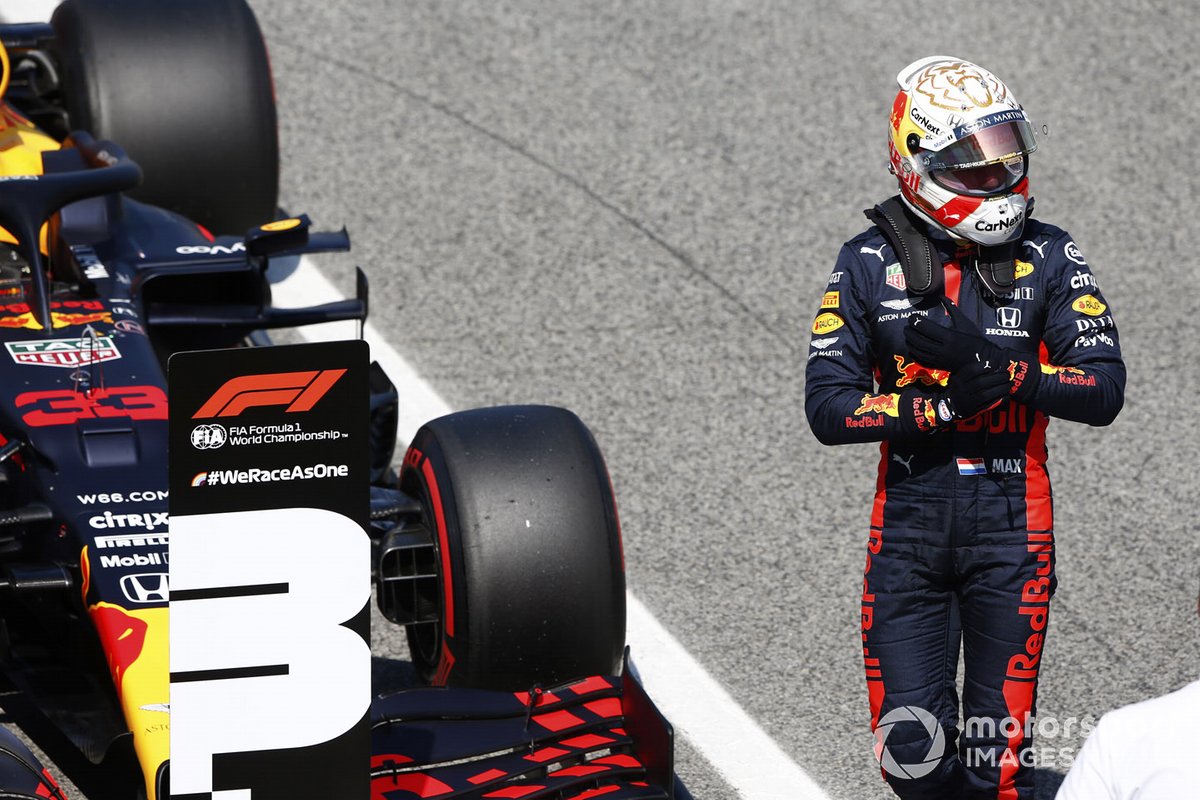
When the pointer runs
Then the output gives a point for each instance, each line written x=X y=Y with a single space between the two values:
x=418 y=402
x=28 y=10
x=699 y=708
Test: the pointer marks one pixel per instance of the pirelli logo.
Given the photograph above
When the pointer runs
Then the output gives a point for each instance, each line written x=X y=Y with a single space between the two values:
x=299 y=391
x=132 y=540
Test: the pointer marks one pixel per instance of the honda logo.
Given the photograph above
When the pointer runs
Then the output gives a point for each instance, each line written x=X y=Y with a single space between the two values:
x=148 y=587
x=1008 y=317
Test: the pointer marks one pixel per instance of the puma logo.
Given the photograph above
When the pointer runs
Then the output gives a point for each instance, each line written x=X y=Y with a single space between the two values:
x=1036 y=246
x=877 y=252
x=906 y=463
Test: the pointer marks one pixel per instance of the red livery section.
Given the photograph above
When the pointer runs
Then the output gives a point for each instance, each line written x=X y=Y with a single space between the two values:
x=67 y=406
x=413 y=783
x=571 y=742
x=123 y=636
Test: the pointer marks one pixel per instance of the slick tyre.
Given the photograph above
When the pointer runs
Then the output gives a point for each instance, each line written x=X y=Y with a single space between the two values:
x=185 y=88
x=531 y=577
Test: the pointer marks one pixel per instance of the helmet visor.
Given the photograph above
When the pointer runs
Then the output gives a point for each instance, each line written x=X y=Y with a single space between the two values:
x=985 y=180
x=998 y=138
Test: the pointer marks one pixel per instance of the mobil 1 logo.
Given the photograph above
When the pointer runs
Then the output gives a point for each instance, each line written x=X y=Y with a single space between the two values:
x=270 y=575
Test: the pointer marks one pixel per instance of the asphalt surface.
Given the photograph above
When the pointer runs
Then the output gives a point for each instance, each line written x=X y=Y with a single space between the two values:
x=630 y=209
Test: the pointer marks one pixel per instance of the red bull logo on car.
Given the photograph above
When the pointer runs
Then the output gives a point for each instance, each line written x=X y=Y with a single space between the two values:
x=124 y=637
x=75 y=313
x=136 y=647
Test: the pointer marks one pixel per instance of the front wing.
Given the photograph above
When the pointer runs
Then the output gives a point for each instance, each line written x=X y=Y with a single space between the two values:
x=599 y=737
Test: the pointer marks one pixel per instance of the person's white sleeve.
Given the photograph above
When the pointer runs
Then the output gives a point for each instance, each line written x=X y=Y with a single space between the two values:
x=1091 y=776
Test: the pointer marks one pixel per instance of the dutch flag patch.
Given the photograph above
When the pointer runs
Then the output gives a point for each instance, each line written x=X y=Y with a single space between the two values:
x=971 y=466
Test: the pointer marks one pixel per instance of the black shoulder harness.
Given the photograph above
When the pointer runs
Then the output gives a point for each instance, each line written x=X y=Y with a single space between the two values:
x=923 y=268
x=920 y=261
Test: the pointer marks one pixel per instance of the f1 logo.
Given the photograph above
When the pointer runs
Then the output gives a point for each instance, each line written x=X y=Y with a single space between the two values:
x=148 y=587
x=299 y=391
x=1008 y=317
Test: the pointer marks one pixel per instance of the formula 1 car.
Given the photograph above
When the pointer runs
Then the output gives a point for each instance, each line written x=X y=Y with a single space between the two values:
x=107 y=269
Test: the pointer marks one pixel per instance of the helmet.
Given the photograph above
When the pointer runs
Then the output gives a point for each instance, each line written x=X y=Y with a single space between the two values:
x=960 y=145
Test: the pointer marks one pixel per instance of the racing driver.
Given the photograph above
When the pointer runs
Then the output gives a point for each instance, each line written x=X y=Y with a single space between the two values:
x=951 y=330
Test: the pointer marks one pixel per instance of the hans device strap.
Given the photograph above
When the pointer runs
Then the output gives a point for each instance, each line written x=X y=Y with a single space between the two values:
x=920 y=261
x=923 y=269
x=997 y=267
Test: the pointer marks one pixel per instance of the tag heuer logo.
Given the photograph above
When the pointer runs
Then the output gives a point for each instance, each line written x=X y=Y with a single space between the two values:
x=895 y=277
x=68 y=353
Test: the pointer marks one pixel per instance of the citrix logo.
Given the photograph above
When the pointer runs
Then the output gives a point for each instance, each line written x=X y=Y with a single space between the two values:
x=150 y=521
x=299 y=391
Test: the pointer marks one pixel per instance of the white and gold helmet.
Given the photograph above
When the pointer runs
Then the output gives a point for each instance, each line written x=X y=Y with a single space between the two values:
x=959 y=146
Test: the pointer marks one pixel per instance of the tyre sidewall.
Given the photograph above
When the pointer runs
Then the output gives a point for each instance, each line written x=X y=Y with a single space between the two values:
x=529 y=536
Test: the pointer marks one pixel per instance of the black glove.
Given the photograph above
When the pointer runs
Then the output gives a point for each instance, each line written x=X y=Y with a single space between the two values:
x=918 y=412
x=973 y=389
x=951 y=347
x=961 y=344
x=970 y=391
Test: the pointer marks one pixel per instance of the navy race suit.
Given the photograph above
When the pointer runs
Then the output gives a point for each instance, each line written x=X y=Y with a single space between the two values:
x=961 y=546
